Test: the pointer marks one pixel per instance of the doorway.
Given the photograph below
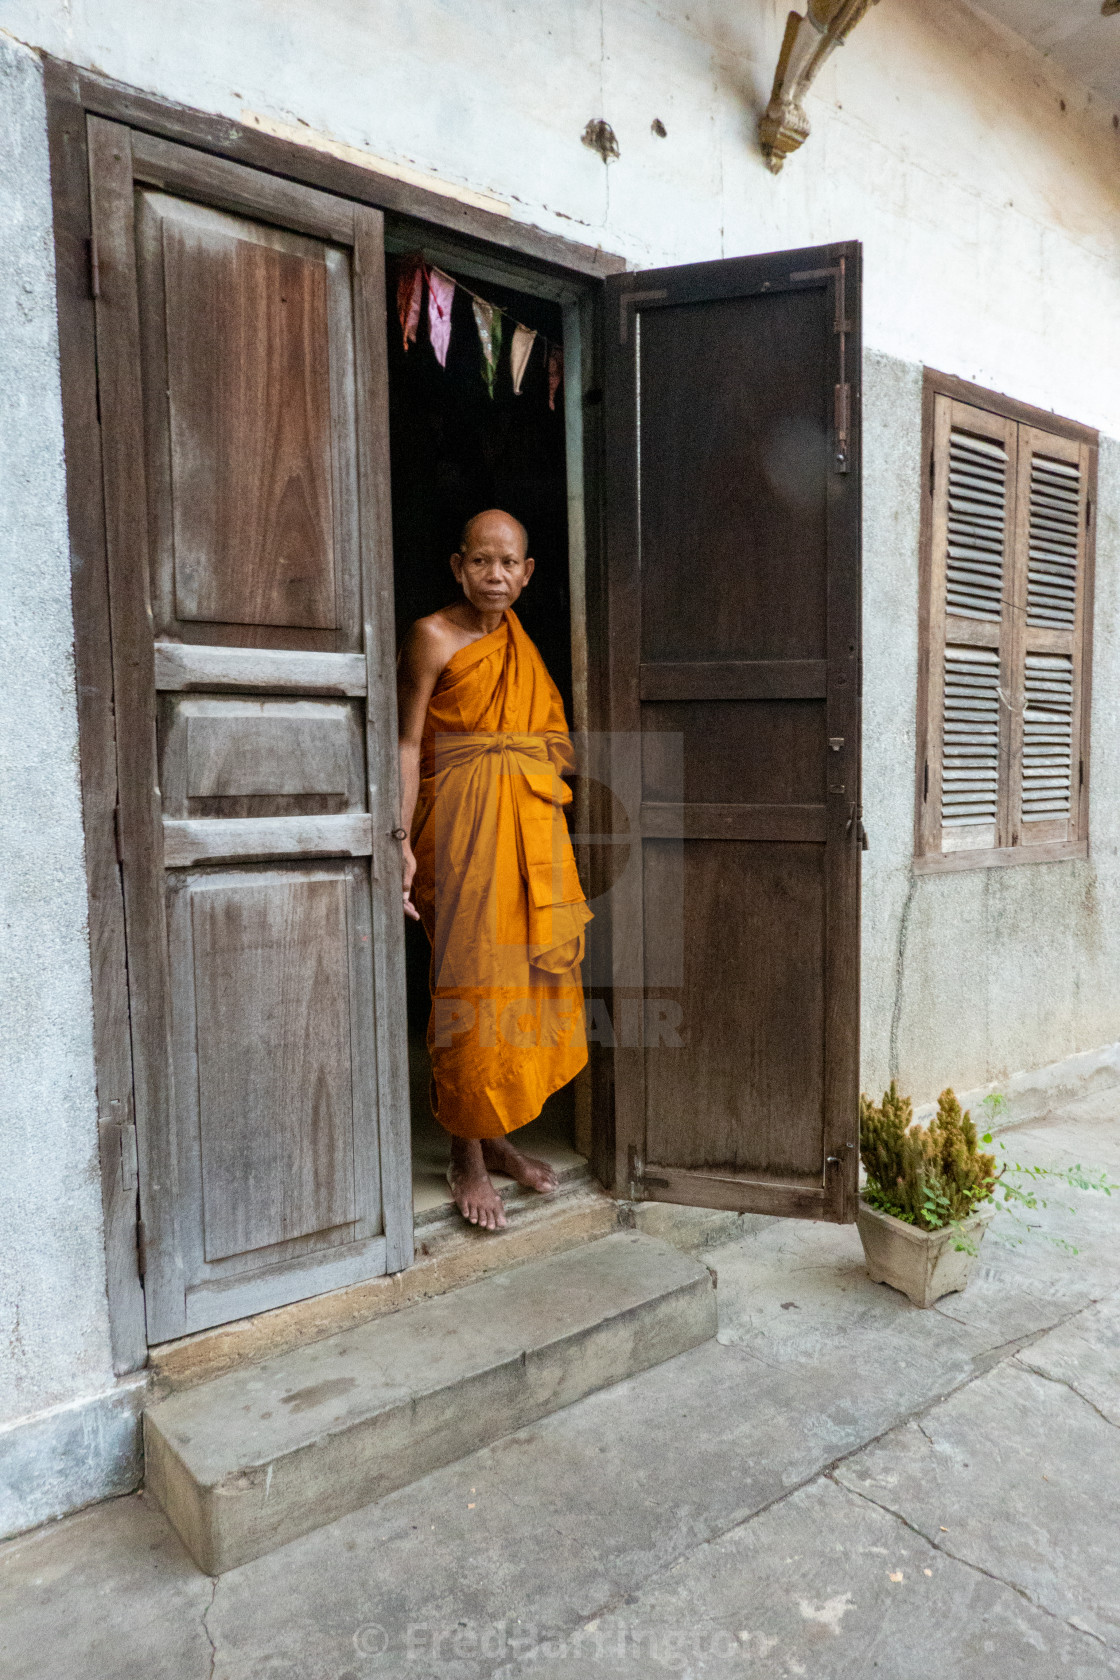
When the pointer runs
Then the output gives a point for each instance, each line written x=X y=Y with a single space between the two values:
x=456 y=449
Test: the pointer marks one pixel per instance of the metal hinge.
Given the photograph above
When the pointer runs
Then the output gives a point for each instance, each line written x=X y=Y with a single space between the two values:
x=855 y=820
x=130 y=1166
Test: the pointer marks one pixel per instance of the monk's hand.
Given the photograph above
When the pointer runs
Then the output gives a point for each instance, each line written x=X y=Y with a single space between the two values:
x=408 y=872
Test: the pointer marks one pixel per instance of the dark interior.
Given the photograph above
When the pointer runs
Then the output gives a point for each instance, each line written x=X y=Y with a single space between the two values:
x=456 y=450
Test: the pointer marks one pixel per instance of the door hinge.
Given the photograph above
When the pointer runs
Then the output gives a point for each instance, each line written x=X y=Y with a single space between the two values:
x=94 y=271
x=141 y=1248
x=855 y=821
x=130 y=1166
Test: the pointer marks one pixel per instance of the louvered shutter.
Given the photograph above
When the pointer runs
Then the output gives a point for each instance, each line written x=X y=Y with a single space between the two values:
x=1047 y=750
x=969 y=622
x=1006 y=603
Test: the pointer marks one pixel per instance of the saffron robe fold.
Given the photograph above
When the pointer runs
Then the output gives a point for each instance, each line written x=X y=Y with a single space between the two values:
x=497 y=888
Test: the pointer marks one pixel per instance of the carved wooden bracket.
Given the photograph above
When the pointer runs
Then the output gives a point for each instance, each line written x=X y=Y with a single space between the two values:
x=809 y=40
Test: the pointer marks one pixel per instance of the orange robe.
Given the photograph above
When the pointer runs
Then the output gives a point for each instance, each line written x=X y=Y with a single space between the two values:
x=497 y=889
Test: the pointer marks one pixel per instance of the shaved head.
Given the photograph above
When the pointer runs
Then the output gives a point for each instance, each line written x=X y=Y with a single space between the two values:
x=492 y=564
x=476 y=520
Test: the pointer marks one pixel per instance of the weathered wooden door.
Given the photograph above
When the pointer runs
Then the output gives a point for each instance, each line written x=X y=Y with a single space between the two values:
x=734 y=600
x=242 y=386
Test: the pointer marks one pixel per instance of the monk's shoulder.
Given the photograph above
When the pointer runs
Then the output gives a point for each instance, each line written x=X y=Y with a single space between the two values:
x=429 y=643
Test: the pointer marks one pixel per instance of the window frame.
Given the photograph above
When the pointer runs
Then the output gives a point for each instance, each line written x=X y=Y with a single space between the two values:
x=928 y=858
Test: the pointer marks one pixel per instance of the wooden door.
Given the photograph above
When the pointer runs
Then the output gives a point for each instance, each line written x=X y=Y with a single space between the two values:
x=734 y=600
x=242 y=384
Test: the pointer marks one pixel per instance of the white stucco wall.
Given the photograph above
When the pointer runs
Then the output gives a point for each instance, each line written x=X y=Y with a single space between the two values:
x=54 y=1334
x=972 y=977
x=988 y=213
x=990 y=220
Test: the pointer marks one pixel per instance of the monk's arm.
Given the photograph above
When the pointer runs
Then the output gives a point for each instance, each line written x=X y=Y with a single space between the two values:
x=422 y=658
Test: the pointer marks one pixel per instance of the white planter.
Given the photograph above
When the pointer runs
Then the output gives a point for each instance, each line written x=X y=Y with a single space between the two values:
x=923 y=1264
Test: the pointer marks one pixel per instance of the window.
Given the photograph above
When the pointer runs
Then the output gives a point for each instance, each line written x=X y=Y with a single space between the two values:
x=1006 y=601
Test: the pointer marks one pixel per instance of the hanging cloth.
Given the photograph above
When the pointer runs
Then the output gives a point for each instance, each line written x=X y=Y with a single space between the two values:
x=555 y=372
x=519 y=352
x=410 y=293
x=488 y=320
x=441 y=291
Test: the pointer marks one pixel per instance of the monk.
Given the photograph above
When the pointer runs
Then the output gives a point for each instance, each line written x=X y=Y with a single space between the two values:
x=488 y=866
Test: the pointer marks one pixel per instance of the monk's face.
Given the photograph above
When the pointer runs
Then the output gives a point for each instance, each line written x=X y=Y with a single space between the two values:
x=493 y=568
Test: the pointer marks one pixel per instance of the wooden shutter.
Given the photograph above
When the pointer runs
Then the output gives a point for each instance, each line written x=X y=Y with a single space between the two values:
x=1048 y=745
x=1006 y=600
x=733 y=561
x=971 y=618
x=241 y=345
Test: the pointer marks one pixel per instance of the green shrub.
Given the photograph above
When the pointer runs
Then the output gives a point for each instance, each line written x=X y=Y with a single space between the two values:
x=928 y=1176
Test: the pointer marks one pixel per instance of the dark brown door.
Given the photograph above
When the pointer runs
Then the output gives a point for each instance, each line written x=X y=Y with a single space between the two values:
x=734 y=607
x=241 y=365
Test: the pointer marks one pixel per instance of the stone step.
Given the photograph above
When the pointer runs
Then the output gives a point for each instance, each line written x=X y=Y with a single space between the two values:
x=259 y=1456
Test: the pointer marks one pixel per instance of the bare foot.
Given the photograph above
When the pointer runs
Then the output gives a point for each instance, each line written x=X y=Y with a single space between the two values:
x=475 y=1195
x=500 y=1156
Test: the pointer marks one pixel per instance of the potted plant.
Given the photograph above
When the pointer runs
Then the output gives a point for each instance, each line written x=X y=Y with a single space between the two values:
x=928 y=1198
x=929 y=1195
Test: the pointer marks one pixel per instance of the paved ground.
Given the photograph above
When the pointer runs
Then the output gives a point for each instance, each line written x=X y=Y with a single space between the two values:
x=842 y=1486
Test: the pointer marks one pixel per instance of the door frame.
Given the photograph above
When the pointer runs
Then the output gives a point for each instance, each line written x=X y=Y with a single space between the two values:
x=479 y=239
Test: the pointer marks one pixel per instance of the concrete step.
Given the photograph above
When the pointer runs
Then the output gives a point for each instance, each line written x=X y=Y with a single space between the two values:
x=251 y=1460
x=449 y=1255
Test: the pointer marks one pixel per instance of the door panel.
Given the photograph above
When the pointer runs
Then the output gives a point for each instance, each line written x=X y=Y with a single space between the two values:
x=262 y=967
x=742 y=1093
x=733 y=532
x=733 y=477
x=226 y=757
x=249 y=585
x=744 y=752
x=249 y=387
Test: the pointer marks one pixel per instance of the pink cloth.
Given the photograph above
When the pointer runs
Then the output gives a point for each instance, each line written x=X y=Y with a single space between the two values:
x=410 y=293
x=555 y=372
x=441 y=290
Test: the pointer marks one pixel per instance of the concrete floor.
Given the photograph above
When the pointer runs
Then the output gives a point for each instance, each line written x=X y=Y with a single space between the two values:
x=841 y=1485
